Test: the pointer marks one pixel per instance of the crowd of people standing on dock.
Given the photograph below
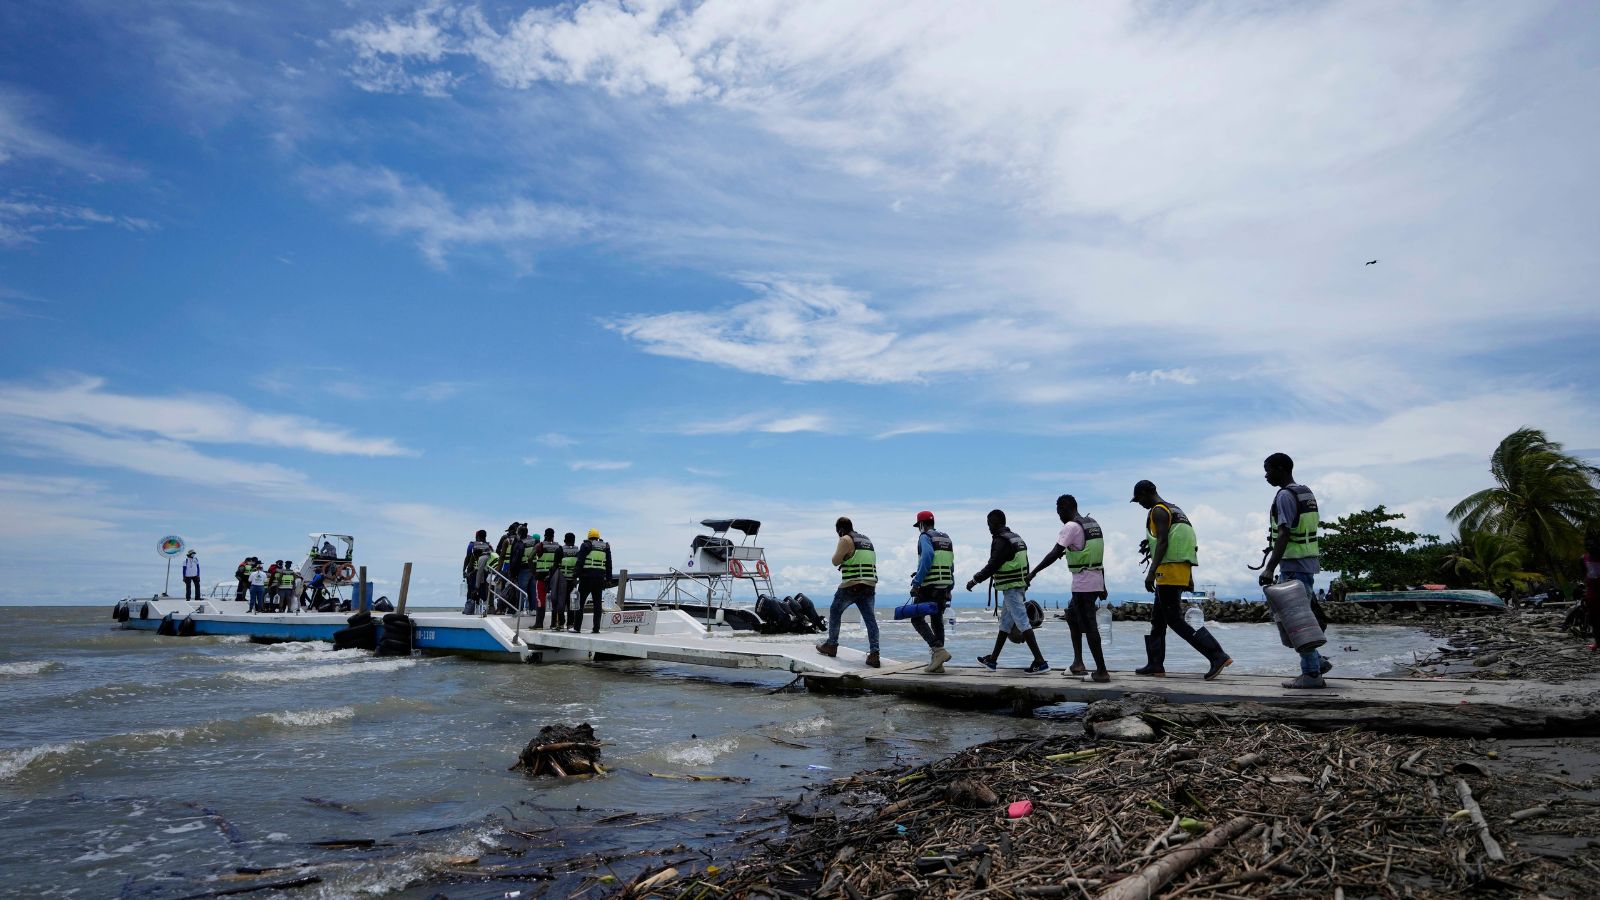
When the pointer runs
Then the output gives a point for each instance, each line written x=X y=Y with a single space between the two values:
x=558 y=579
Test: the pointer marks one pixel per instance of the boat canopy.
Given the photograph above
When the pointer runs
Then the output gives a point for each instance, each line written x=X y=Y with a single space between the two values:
x=747 y=526
x=325 y=545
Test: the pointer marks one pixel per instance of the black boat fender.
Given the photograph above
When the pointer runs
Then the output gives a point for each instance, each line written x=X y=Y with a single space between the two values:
x=398 y=635
x=187 y=628
x=168 y=626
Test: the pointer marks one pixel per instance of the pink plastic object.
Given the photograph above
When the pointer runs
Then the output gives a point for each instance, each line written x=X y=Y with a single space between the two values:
x=1019 y=809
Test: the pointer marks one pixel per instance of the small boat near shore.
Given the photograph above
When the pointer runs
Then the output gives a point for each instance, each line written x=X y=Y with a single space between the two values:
x=1441 y=600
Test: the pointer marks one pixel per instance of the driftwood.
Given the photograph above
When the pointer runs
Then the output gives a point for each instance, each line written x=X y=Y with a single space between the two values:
x=1157 y=875
x=561 y=750
x=1490 y=846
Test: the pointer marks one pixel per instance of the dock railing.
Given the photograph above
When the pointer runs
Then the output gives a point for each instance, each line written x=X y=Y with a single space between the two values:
x=506 y=598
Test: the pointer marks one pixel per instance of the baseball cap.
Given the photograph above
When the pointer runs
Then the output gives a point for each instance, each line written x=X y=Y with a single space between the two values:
x=923 y=516
x=1143 y=485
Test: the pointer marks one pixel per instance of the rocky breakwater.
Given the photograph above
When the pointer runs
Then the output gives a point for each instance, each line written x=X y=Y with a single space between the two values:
x=1338 y=613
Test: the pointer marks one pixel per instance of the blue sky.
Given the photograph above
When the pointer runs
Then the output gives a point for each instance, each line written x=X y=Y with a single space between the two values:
x=408 y=270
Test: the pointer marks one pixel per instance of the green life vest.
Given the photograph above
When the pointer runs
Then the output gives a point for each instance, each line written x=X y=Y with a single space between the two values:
x=569 y=560
x=862 y=563
x=1093 y=555
x=942 y=571
x=594 y=562
x=1303 y=530
x=286 y=578
x=1182 y=543
x=546 y=558
x=1013 y=573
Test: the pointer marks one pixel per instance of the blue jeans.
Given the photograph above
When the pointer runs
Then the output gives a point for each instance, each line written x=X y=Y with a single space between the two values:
x=861 y=596
x=525 y=581
x=1310 y=660
x=258 y=597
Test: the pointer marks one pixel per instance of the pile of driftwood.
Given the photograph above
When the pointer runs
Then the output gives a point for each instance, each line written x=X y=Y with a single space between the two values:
x=1525 y=644
x=561 y=750
x=1228 y=810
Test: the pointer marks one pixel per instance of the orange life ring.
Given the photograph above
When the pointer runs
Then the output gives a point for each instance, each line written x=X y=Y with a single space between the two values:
x=762 y=570
x=735 y=569
x=345 y=572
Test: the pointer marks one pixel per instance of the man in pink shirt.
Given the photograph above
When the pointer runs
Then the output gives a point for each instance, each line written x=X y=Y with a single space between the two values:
x=1083 y=544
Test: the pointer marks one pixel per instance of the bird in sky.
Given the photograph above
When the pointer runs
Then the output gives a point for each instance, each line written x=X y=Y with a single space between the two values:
x=1372 y=262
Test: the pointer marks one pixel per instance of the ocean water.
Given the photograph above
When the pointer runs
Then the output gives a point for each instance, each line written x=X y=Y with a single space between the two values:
x=142 y=766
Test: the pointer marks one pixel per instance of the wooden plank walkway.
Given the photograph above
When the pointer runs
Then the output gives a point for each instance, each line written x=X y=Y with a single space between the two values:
x=978 y=686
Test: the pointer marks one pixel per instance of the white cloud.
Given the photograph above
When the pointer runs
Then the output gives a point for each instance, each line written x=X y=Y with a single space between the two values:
x=83 y=401
x=23 y=219
x=599 y=465
x=761 y=422
x=530 y=460
x=400 y=206
x=1157 y=376
x=436 y=391
x=805 y=331
x=556 y=439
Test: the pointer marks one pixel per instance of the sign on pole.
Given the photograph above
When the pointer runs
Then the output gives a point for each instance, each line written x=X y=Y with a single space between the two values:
x=170 y=546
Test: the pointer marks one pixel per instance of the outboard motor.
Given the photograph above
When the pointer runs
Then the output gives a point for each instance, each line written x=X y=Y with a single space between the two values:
x=774 y=615
x=383 y=605
x=808 y=611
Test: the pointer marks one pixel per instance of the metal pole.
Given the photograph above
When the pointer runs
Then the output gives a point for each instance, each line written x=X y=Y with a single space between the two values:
x=166 y=586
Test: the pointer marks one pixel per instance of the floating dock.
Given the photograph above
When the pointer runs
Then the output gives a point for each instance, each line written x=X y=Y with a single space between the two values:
x=1422 y=705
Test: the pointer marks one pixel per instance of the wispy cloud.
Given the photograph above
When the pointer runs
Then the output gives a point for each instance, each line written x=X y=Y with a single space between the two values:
x=761 y=422
x=807 y=331
x=24 y=218
x=83 y=401
x=599 y=465
x=1157 y=376
x=401 y=206
x=557 y=440
x=436 y=391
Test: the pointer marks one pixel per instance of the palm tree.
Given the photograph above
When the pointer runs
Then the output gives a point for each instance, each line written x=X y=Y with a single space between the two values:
x=1543 y=497
x=1491 y=560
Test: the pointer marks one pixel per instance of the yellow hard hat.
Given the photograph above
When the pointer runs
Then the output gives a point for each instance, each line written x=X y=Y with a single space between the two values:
x=594 y=532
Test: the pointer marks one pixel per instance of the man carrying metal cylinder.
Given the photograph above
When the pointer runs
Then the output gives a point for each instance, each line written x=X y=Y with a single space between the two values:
x=1293 y=550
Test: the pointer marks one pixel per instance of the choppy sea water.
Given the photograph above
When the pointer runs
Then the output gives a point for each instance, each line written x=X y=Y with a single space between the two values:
x=142 y=766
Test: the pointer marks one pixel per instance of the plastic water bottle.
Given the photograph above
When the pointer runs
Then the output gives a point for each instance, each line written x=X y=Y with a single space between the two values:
x=1102 y=622
x=1194 y=618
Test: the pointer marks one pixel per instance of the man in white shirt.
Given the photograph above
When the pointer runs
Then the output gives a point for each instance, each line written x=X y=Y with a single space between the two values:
x=191 y=576
x=1083 y=544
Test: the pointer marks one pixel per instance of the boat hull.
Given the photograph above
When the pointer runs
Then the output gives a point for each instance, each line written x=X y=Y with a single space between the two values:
x=1450 y=600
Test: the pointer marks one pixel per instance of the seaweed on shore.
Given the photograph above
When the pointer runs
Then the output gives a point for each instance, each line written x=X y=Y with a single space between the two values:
x=1219 y=811
x=1531 y=644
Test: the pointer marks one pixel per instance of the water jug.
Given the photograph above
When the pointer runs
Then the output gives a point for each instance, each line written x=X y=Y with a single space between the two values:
x=1194 y=618
x=1102 y=623
x=1291 y=609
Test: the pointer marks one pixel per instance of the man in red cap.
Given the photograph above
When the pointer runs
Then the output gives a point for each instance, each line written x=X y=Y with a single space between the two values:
x=936 y=575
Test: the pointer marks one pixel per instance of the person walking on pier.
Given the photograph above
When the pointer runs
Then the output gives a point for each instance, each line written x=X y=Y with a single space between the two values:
x=544 y=563
x=594 y=576
x=1008 y=566
x=1174 y=552
x=932 y=583
x=1292 y=537
x=191 y=576
x=474 y=571
x=1083 y=544
x=562 y=580
x=857 y=563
